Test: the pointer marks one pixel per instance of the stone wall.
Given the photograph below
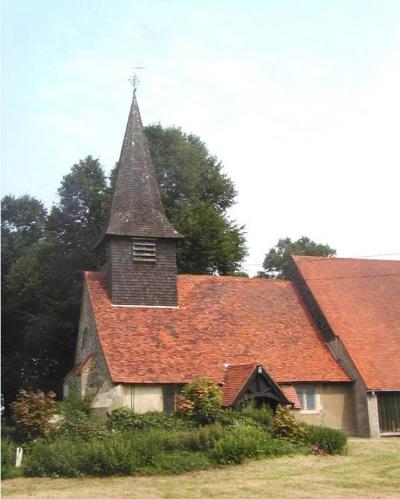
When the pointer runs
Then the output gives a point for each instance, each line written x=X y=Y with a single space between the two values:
x=96 y=373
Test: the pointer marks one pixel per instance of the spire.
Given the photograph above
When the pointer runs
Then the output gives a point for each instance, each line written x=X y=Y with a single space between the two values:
x=136 y=208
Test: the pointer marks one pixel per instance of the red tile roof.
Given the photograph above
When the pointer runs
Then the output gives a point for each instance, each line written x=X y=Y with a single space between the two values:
x=290 y=393
x=234 y=380
x=219 y=320
x=361 y=301
x=237 y=376
x=79 y=368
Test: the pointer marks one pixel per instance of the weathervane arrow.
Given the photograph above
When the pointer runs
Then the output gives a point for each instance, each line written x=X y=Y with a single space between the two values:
x=134 y=78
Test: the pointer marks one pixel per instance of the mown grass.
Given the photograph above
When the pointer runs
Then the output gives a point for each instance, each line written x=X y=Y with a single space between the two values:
x=371 y=469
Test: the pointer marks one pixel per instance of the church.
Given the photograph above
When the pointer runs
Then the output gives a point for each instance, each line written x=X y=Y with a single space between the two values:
x=326 y=344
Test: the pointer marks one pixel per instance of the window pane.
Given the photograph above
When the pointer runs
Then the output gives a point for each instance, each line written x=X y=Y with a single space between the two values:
x=310 y=400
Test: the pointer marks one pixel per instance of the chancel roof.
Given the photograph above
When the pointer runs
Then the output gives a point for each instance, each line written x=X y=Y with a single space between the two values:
x=360 y=299
x=219 y=321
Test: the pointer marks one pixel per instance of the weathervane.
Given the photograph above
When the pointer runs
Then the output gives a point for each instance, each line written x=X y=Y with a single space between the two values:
x=134 y=78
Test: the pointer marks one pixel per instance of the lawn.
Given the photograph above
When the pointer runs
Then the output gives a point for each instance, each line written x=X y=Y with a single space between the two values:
x=370 y=470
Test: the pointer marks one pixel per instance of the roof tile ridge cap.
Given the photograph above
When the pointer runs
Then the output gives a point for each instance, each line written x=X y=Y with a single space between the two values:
x=247 y=364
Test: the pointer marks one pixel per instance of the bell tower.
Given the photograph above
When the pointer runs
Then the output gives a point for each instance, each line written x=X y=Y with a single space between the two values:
x=138 y=247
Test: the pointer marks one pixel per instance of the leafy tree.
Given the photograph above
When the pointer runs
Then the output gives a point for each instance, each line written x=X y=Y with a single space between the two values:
x=200 y=400
x=76 y=221
x=22 y=224
x=32 y=412
x=276 y=262
x=43 y=283
x=196 y=196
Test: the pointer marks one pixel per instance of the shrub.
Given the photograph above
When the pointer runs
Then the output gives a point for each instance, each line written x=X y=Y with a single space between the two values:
x=327 y=440
x=284 y=425
x=124 y=419
x=74 y=404
x=235 y=417
x=119 y=454
x=239 y=443
x=8 y=448
x=204 y=437
x=32 y=412
x=179 y=462
x=263 y=414
x=200 y=400
x=77 y=421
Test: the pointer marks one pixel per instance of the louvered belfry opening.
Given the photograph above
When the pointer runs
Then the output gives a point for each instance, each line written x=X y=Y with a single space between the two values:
x=141 y=266
x=143 y=250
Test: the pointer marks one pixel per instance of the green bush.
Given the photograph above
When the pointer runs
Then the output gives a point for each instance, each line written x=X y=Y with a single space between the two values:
x=200 y=400
x=178 y=462
x=284 y=425
x=236 y=417
x=204 y=437
x=74 y=404
x=78 y=421
x=8 y=448
x=263 y=414
x=325 y=440
x=124 y=419
x=240 y=443
x=119 y=454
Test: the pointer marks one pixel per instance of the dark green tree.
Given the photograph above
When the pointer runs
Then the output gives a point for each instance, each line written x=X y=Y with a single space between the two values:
x=276 y=262
x=196 y=195
x=22 y=227
x=22 y=224
x=44 y=282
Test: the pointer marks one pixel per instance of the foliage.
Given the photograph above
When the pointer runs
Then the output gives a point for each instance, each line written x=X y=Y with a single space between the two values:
x=243 y=442
x=196 y=195
x=328 y=440
x=204 y=437
x=277 y=260
x=22 y=224
x=8 y=448
x=77 y=420
x=200 y=400
x=124 y=419
x=32 y=412
x=284 y=425
x=121 y=453
x=263 y=414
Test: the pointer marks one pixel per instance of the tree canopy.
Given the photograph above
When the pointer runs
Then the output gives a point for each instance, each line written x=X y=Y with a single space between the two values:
x=196 y=195
x=276 y=261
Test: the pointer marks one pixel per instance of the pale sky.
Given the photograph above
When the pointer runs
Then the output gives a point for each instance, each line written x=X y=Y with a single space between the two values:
x=300 y=100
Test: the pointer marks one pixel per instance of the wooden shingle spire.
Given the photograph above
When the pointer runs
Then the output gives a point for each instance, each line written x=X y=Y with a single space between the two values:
x=137 y=250
x=136 y=208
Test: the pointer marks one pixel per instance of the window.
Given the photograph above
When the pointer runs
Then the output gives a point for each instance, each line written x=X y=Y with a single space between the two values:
x=309 y=399
x=144 y=250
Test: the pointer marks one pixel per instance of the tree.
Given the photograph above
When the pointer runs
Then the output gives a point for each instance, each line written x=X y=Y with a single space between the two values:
x=78 y=218
x=22 y=224
x=42 y=286
x=196 y=196
x=276 y=262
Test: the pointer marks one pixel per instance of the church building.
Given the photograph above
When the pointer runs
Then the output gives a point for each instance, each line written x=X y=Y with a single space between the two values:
x=145 y=331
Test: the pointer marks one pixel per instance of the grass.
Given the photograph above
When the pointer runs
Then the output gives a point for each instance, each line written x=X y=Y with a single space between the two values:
x=370 y=470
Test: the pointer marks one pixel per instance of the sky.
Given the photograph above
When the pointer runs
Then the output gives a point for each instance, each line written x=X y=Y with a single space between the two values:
x=299 y=100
